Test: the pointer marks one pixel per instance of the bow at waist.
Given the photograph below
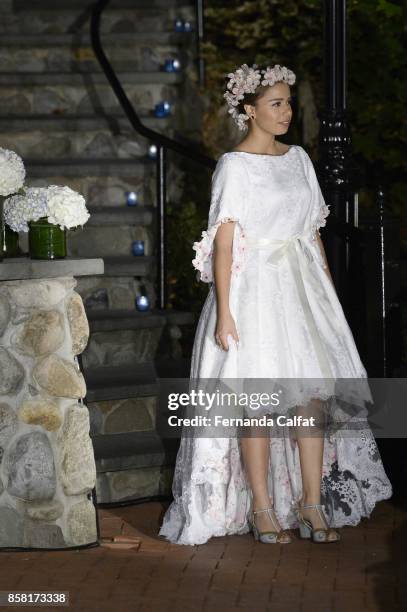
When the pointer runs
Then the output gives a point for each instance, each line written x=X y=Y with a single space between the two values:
x=297 y=243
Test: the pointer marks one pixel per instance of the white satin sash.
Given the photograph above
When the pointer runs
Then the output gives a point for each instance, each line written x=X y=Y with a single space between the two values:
x=298 y=249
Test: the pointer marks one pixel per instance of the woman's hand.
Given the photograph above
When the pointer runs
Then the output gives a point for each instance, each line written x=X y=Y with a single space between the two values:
x=225 y=326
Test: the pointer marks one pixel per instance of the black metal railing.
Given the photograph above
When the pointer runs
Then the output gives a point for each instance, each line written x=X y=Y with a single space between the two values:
x=162 y=142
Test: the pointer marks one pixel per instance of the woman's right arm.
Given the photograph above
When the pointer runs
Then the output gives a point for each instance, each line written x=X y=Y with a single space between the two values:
x=222 y=263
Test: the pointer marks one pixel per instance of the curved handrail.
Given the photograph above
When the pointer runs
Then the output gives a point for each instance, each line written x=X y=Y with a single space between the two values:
x=124 y=101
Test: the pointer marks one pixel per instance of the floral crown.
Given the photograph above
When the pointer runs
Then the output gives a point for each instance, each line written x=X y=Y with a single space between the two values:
x=246 y=80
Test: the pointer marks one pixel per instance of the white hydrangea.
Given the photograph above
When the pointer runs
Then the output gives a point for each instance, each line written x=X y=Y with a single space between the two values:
x=66 y=207
x=20 y=209
x=12 y=172
x=59 y=205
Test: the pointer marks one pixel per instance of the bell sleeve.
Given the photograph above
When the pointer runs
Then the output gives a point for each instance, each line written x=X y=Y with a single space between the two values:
x=319 y=208
x=228 y=203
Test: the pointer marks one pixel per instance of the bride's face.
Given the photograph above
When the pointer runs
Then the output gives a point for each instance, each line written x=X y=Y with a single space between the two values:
x=273 y=112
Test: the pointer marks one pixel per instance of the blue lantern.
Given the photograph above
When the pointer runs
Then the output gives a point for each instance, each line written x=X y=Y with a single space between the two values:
x=152 y=151
x=138 y=247
x=131 y=198
x=142 y=303
x=172 y=65
x=162 y=109
x=187 y=26
x=179 y=25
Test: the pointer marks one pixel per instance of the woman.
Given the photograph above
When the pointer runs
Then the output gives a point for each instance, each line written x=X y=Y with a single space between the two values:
x=272 y=312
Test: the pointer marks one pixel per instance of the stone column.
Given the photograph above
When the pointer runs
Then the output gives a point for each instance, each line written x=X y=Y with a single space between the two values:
x=47 y=469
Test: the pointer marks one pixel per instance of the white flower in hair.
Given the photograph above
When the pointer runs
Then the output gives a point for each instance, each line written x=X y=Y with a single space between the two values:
x=277 y=74
x=245 y=80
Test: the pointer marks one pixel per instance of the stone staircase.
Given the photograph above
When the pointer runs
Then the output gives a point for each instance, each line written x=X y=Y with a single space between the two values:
x=60 y=114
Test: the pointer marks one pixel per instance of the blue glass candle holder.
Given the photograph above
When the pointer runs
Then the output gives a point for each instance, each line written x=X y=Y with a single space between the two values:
x=162 y=109
x=179 y=25
x=142 y=303
x=187 y=26
x=172 y=65
x=152 y=151
x=131 y=198
x=137 y=247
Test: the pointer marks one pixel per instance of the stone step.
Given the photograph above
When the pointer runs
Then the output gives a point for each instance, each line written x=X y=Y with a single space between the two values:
x=103 y=183
x=110 y=320
x=78 y=123
x=134 y=485
x=74 y=93
x=104 y=241
x=67 y=39
x=131 y=342
x=44 y=168
x=127 y=53
x=151 y=77
x=135 y=19
x=134 y=449
x=113 y=320
x=126 y=340
x=135 y=381
x=127 y=484
x=125 y=215
x=83 y=144
x=128 y=266
x=79 y=137
x=113 y=293
x=127 y=407
x=120 y=382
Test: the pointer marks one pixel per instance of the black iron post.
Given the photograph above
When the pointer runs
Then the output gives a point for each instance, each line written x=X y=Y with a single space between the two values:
x=199 y=40
x=336 y=170
x=161 y=237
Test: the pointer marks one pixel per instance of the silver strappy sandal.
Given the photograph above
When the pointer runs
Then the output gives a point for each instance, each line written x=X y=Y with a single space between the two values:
x=269 y=537
x=319 y=535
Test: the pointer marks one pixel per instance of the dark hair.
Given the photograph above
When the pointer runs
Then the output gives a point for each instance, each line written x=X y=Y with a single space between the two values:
x=251 y=98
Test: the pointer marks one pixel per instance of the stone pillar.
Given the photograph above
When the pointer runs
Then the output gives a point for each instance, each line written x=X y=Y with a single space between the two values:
x=47 y=469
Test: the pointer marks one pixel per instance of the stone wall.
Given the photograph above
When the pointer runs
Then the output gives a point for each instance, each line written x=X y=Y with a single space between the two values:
x=47 y=469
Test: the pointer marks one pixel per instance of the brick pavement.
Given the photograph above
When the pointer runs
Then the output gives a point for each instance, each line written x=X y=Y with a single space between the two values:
x=365 y=571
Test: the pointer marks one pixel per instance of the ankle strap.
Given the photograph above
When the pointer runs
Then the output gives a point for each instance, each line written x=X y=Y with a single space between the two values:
x=264 y=510
x=312 y=506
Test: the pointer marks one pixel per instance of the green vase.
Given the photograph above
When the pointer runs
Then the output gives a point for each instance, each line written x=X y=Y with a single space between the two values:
x=9 y=242
x=46 y=240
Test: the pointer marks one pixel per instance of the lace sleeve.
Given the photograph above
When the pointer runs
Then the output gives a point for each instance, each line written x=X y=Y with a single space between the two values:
x=228 y=203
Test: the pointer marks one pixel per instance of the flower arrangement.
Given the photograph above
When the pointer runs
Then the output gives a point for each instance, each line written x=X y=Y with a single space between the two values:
x=45 y=212
x=60 y=205
x=12 y=172
x=12 y=176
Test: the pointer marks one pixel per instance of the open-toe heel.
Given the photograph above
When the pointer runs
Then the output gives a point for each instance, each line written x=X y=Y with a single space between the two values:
x=318 y=535
x=305 y=529
x=279 y=536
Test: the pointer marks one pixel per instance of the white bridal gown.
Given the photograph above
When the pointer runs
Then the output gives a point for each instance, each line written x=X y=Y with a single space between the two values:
x=291 y=325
